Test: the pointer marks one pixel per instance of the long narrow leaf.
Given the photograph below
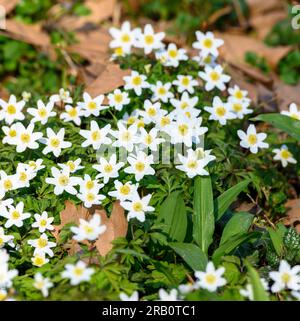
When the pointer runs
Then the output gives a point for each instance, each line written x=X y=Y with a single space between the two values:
x=191 y=254
x=231 y=245
x=223 y=202
x=277 y=240
x=238 y=224
x=283 y=122
x=204 y=221
x=174 y=216
x=259 y=293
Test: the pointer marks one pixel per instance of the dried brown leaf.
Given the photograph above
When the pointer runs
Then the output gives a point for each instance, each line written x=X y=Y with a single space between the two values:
x=263 y=24
x=100 y=10
x=259 y=7
x=71 y=214
x=239 y=78
x=9 y=5
x=117 y=226
x=92 y=46
x=4 y=94
x=109 y=79
x=235 y=47
x=263 y=15
x=32 y=34
x=286 y=94
x=293 y=214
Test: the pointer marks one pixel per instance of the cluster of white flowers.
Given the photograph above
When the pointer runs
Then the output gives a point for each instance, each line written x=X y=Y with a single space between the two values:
x=6 y=275
x=182 y=125
x=211 y=279
x=286 y=278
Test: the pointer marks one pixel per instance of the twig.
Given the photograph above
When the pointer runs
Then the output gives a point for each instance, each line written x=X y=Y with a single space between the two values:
x=190 y=278
x=240 y=16
x=218 y=14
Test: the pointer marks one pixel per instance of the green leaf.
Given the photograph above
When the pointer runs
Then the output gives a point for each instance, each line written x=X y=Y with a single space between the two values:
x=259 y=293
x=204 y=221
x=191 y=254
x=283 y=122
x=277 y=240
x=228 y=197
x=238 y=224
x=173 y=214
x=229 y=246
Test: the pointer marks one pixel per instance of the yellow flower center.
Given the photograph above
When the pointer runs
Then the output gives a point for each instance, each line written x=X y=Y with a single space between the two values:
x=137 y=80
x=125 y=190
x=23 y=177
x=188 y=114
x=25 y=138
x=125 y=37
x=162 y=91
x=285 y=277
x=88 y=229
x=183 y=129
x=72 y=112
x=252 y=139
x=214 y=76
x=148 y=139
x=96 y=135
x=131 y=120
x=118 y=98
x=54 y=142
x=184 y=105
x=220 y=111
x=285 y=154
x=238 y=94
x=108 y=168
x=137 y=206
x=39 y=284
x=237 y=107
x=1 y=241
x=139 y=166
x=126 y=136
x=119 y=51
x=43 y=222
x=15 y=215
x=42 y=242
x=3 y=296
x=173 y=53
x=210 y=278
x=11 y=109
x=149 y=39
x=295 y=116
x=140 y=123
x=207 y=60
x=185 y=81
x=200 y=153
x=63 y=180
x=152 y=112
x=32 y=164
x=38 y=261
x=90 y=197
x=12 y=133
x=92 y=105
x=89 y=184
x=78 y=271
x=192 y=164
x=42 y=112
x=164 y=121
x=71 y=165
x=7 y=184
x=207 y=43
